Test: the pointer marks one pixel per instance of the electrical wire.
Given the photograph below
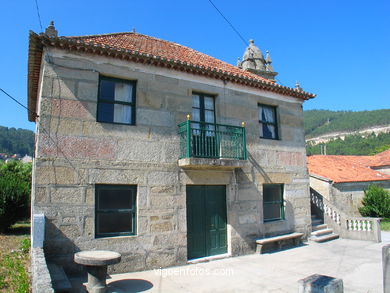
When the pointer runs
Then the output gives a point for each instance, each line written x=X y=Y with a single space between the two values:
x=39 y=15
x=41 y=127
x=231 y=25
x=15 y=100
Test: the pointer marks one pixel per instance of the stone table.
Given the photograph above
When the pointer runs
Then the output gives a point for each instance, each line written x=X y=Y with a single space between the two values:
x=96 y=262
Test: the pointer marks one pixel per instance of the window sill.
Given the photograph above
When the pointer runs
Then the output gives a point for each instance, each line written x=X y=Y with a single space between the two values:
x=116 y=237
x=274 y=221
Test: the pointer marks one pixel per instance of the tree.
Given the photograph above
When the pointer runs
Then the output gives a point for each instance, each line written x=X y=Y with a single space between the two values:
x=376 y=202
x=15 y=186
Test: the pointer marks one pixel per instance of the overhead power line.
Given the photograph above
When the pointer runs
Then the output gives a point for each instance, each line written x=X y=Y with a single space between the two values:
x=39 y=15
x=231 y=25
x=15 y=100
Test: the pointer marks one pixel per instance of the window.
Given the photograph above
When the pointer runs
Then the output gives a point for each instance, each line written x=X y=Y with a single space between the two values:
x=273 y=205
x=203 y=110
x=115 y=210
x=268 y=122
x=116 y=102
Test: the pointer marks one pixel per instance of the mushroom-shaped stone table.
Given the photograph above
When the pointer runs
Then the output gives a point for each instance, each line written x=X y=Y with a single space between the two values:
x=96 y=262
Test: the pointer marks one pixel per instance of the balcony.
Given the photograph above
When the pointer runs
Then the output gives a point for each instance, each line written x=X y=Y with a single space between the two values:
x=209 y=146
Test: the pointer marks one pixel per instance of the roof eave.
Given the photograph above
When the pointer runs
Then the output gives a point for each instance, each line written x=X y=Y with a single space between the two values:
x=35 y=50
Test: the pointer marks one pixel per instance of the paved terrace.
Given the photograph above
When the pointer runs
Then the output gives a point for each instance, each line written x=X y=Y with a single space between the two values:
x=358 y=263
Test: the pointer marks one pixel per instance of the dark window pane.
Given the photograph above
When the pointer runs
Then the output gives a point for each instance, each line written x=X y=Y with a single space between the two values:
x=115 y=223
x=267 y=131
x=272 y=211
x=105 y=112
x=272 y=192
x=273 y=201
x=107 y=89
x=115 y=199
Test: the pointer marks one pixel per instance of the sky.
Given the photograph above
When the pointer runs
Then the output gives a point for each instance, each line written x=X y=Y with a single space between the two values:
x=339 y=50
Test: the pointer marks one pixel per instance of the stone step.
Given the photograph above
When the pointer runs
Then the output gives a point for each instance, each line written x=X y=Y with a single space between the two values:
x=316 y=222
x=322 y=232
x=59 y=279
x=324 y=238
x=319 y=227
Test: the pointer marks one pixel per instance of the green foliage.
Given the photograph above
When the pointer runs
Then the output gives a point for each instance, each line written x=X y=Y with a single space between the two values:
x=319 y=122
x=15 y=185
x=14 y=276
x=16 y=141
x=385 y=224
x=353 y=145
x=376 y=202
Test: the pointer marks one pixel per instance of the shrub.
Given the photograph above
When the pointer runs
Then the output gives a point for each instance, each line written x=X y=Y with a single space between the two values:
x=376 y=202
x=15 y=182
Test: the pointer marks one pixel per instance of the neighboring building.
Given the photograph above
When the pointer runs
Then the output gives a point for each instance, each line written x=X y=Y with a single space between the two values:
x=119 y=166
x=26 y=159
x=343 y=179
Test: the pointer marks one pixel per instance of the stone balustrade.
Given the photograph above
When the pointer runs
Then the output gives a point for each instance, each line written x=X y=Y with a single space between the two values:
x=350 y=227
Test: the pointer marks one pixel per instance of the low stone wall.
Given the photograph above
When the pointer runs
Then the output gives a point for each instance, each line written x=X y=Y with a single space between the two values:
x=41 y=280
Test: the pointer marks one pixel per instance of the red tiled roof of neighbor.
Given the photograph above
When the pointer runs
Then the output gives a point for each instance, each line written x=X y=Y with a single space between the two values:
x=349 y=168
x=145 y=49
x=381 y=159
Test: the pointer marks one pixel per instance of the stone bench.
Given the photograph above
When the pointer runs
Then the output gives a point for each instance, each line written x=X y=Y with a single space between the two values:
x=96 y=262
x=296 y=238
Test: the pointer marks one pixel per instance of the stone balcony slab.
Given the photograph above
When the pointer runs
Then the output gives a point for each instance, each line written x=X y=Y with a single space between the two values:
x=207 y=163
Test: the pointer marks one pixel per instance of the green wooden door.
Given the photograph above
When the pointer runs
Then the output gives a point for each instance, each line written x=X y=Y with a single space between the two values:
x=206 y=220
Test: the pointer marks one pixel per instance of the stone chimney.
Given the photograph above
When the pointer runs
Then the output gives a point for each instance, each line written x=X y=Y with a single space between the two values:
x=51 y=31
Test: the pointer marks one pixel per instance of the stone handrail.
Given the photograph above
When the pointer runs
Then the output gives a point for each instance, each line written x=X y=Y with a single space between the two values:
x=350 y=227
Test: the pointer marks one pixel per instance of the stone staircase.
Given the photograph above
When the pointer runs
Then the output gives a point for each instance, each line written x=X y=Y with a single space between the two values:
x=321 y=232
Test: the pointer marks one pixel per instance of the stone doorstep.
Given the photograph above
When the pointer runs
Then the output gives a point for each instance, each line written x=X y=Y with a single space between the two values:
x=208 y=258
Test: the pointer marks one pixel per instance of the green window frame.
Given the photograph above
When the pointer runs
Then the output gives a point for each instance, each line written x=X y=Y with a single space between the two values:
x=116 y=101
x=268 y=122
x=203 y=108
x=115 y=210
x=273 y=202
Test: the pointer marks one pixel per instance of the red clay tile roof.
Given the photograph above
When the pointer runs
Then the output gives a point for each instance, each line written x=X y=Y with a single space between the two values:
x=163 y=49
x=144 y=49
x=349 y=168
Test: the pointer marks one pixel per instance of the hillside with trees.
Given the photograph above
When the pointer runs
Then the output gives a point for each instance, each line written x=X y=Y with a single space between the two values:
x=322 y=122
x=16 y=141
x=319 y=122
x=353 y=145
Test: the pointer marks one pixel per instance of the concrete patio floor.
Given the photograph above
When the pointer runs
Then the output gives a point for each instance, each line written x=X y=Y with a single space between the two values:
x=358 y=263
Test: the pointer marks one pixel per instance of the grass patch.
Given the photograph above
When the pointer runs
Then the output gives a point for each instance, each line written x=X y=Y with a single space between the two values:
x=15 y=259
x=385 y=224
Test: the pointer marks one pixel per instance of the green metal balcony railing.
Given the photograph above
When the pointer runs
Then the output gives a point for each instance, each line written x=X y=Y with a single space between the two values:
x=209 y=140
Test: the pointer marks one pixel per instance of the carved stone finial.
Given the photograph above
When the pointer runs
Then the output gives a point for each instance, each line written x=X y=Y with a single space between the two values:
x=268 y=62
x=239 y=62
x=51 y=31
x=298 y=87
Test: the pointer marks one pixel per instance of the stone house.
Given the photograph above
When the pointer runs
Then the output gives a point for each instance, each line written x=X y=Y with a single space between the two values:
x=160 y=152
x=343 y=179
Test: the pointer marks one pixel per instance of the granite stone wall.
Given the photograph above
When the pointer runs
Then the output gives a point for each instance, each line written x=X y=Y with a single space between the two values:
x=74 y=152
